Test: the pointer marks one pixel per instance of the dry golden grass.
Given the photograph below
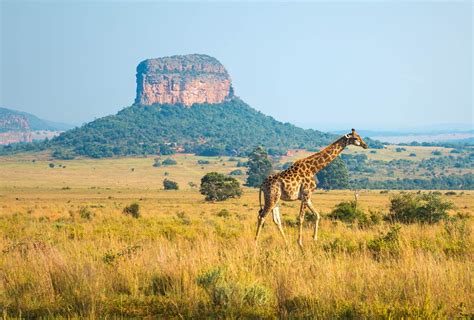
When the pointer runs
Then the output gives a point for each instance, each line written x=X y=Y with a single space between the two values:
x=72 y=253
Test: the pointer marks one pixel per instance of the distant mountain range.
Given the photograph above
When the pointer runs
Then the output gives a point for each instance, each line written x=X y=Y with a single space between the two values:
x=17 y=126
x=35 y=123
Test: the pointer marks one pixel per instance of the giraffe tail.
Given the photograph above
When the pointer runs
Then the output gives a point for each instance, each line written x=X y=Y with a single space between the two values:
x=260 y=201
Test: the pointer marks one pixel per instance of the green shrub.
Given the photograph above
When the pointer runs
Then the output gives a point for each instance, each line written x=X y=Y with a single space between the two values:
x=412 y=155
x=386 y=245
x=169 y=162
x=457 y=236
x=423 y=208
x=347 y=211
x=184 y=218
x=133 y=210
x=237 y=172
x=85 y=213
x=51 y=165
x=160 y=285
x=436 y=153
x=224 y=213
x=218 y=187
x=170 y=185
x=257 y=295
x=157 y=163
x=203 y=162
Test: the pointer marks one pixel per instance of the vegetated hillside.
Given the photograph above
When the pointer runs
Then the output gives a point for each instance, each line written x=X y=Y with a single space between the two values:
x=34 y=122
x=231 y=127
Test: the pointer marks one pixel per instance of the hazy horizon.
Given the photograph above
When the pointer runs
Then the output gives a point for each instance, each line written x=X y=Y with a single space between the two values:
x=327 y=66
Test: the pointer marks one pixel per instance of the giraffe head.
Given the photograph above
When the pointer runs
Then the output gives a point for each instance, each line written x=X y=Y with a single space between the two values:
x=355 y=139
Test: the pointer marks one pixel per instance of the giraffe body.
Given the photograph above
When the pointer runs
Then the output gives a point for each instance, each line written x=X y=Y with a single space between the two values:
x=297 y=183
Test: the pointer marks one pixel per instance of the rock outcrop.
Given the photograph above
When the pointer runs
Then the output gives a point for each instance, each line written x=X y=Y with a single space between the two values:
x=13 y=129
x=186 y=80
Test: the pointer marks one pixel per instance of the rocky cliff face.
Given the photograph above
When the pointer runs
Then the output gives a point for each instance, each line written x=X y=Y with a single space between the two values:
x=184 y=80
x=14 y=128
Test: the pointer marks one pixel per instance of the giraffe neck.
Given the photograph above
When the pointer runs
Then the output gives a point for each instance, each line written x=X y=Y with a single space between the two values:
x=324 y=157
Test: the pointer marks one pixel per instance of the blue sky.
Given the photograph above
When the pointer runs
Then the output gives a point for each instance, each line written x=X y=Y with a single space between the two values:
x=325 y=65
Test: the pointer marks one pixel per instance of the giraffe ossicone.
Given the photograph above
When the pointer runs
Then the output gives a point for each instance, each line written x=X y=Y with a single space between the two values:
x=297 y=183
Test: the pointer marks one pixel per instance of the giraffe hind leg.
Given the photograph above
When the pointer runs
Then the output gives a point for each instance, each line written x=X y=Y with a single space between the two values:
x=277 y=221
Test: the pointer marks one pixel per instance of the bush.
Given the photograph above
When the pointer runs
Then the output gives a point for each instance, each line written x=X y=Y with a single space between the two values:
x=241 y=164
x=218 y=187
x=457 y=236
x=170 y=185
x=133 y=210
x=51 y=165
x=412 y=155
x=203 y=162
x=237 y=172
x=400 y=149
x=157 y=163
x=224 y=213
x=348 y=212
x=424 y=208
x=436 y=153
x=169 y=162
x=85 y=213
x=386 y=244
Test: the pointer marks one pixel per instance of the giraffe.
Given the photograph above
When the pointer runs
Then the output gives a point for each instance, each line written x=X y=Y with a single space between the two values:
x=297 y=183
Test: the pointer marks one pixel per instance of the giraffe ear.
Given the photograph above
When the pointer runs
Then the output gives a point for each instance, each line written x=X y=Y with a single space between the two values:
x=353 y=131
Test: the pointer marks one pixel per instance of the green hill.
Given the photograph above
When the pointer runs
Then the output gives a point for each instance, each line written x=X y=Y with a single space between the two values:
x=231 y=127
x=228 y=128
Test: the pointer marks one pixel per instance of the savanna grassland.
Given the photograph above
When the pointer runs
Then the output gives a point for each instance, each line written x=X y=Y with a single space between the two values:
x=67 y=249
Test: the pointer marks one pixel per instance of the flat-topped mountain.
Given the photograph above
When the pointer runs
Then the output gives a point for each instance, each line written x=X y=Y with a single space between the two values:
x=183 y=104
x=188 y=79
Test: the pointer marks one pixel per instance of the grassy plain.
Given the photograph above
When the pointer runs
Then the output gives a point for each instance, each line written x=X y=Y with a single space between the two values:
x=67 y=250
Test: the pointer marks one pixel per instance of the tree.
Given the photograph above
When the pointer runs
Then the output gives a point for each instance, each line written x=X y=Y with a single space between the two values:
x=259 y=166
x=169 y=162
x=170 y=185
x=218 y=187
x=334 y=176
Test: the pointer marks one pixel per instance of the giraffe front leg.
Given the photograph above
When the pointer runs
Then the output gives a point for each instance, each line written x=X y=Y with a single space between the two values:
x=301 y=220
x=316 y=223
